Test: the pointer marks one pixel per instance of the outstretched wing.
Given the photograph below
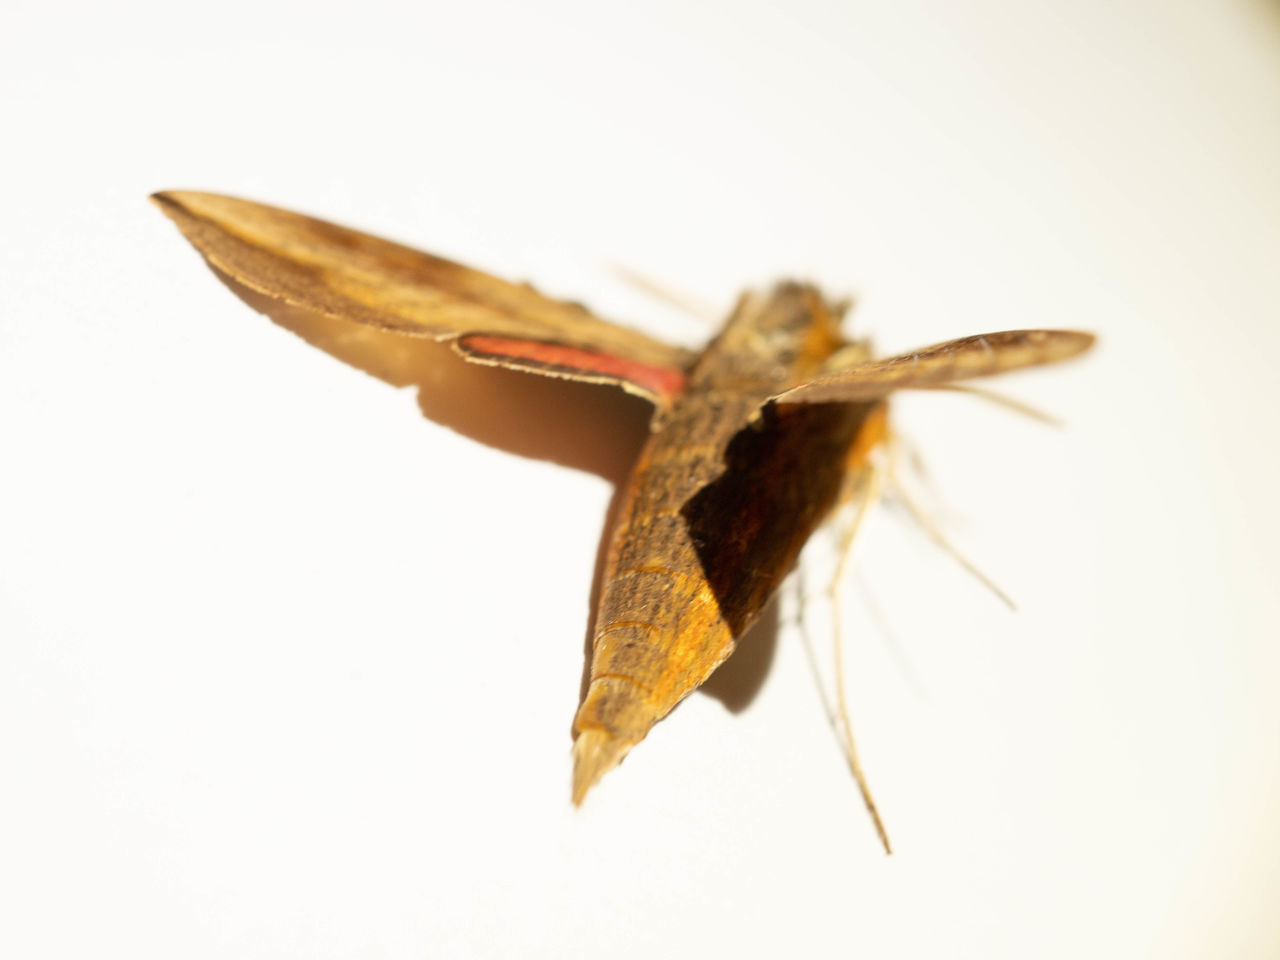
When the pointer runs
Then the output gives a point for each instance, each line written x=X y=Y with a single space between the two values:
x=318 y=266
x=941 y=364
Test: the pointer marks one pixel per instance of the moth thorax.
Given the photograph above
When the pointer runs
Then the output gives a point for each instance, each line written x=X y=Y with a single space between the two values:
x=773 y=339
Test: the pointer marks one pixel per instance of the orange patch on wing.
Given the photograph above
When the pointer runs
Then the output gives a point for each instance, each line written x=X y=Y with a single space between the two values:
x=661 y=382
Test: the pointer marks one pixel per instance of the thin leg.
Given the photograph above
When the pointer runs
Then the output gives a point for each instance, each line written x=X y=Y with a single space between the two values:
x=1003 y=400
x=866 y=489
x=934 y=532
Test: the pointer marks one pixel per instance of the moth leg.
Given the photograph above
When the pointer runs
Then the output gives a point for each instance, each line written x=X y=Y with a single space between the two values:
x=1003 y=400
x=864 y=488
x=902 y=494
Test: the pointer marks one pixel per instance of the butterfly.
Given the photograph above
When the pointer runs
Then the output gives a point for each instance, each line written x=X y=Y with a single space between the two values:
x=753 y=440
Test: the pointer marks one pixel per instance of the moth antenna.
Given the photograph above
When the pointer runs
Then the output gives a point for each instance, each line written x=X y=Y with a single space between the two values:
x=681 y=300
x=867 y=490
x=1004 y=400
x=903 y=496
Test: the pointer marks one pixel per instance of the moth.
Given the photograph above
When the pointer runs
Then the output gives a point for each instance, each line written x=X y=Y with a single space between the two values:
x=753 y=440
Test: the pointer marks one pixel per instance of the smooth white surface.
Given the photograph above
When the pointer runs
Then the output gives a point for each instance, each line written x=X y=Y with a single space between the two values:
x=287 y=670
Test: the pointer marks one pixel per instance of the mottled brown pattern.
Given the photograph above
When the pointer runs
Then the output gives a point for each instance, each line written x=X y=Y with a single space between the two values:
x=723 y=497
x=752 y=441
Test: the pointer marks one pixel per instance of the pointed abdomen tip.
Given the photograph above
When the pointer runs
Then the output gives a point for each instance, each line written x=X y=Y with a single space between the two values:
x=595 y=753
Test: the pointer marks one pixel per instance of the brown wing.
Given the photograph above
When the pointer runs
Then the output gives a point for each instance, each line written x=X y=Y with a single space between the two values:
x=318 y=266
x=941 y=364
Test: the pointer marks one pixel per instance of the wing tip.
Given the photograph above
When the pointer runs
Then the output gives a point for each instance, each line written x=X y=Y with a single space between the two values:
x=166 y=200
x=1078 y=341
x=198 y=204
x=179 y=205
x=1064 y=344
x=173 y=198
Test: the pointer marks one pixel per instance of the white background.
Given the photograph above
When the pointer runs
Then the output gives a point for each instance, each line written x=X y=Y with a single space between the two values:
x=287 y=669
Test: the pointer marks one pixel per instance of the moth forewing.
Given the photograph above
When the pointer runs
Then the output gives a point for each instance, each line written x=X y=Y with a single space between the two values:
x=982 y=355
x=334 y=271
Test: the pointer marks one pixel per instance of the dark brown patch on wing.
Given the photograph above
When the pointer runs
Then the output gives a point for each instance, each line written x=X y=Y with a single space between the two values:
x=781 y=478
